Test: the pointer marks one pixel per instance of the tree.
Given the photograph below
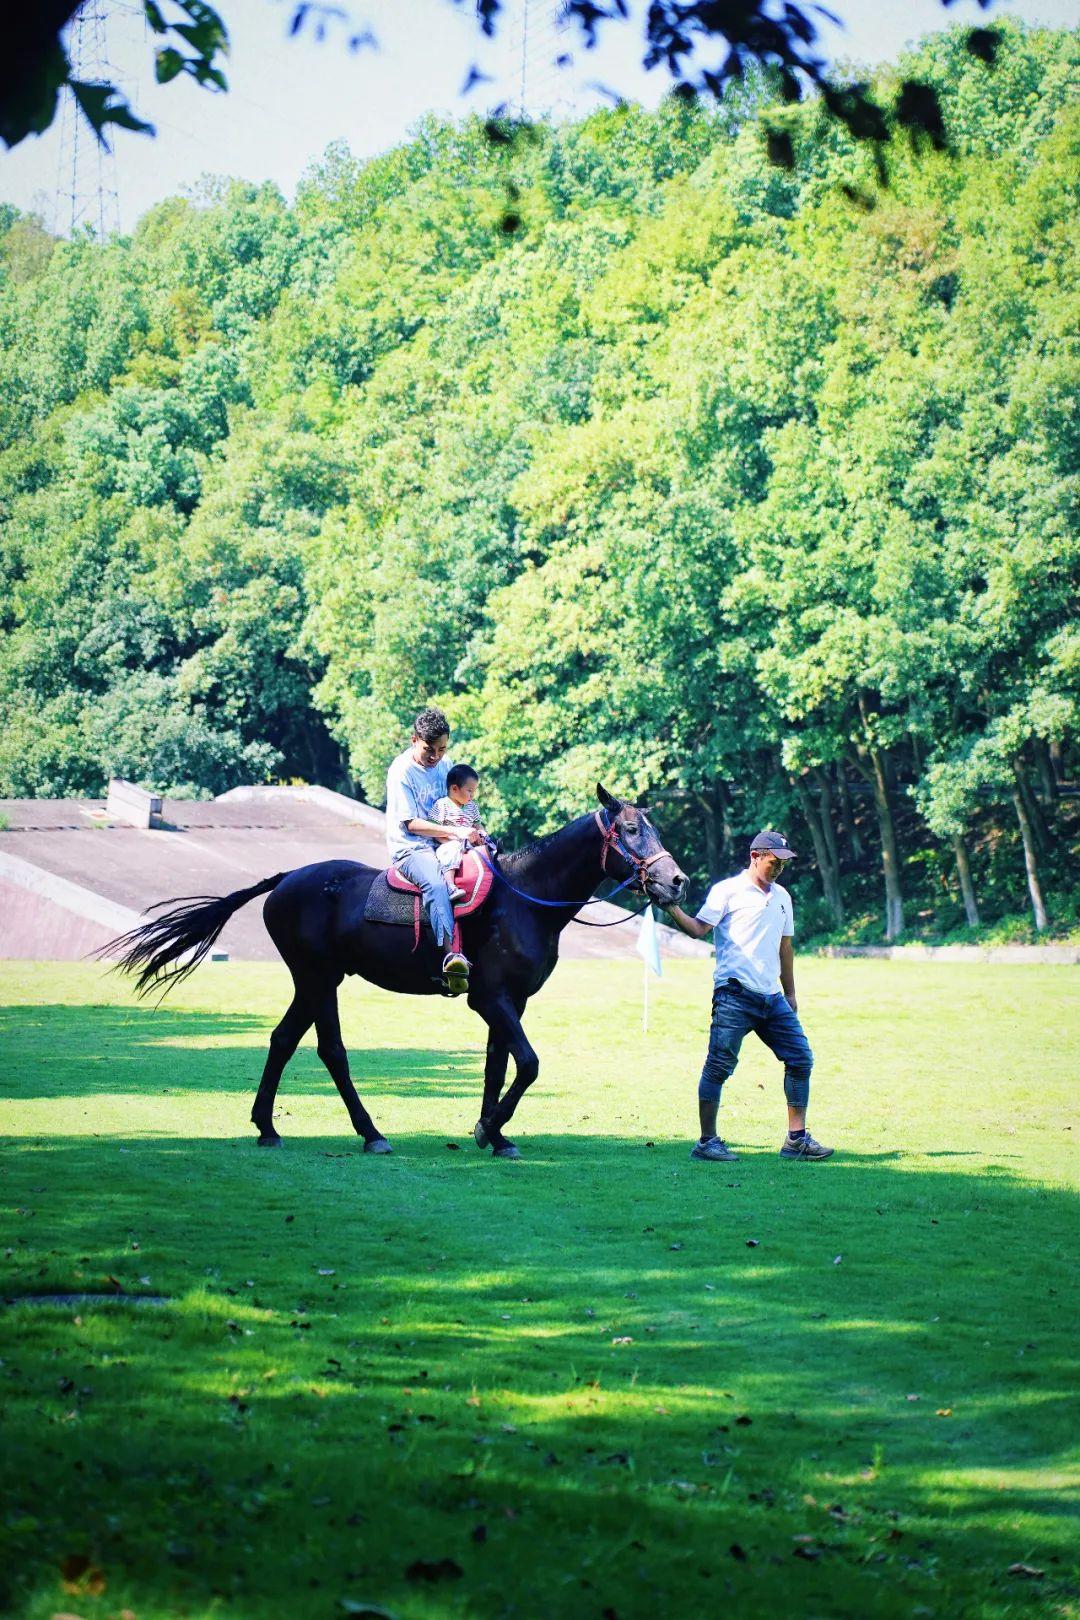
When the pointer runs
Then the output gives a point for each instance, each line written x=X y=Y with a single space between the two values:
x=700 y=479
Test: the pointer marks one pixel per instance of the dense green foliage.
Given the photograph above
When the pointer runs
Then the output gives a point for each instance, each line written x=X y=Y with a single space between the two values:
x=568 y=1387
x=649 y=460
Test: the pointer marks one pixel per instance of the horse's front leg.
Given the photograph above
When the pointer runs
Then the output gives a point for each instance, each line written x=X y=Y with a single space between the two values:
x=506 y=1039
x=498 y=1056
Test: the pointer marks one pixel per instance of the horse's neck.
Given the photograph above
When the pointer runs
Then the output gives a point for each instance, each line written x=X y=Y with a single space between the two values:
x=563 y=866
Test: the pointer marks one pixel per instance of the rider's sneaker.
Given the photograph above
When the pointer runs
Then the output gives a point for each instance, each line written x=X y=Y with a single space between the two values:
x=457 y=894
x=804 y=1147
x=714 y=1148
x=455 y=970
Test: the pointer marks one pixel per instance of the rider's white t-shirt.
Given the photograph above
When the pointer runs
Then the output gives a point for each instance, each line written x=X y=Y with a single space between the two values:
x=748 y=924
x=411 y=794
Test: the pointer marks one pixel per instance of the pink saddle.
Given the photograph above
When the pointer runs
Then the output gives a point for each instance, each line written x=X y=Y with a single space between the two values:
x=473 y=875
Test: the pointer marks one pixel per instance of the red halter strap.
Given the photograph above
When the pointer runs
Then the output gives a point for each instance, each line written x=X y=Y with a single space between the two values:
x=610 y=841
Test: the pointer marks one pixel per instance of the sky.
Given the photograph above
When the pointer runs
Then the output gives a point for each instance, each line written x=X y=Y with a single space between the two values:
x=290 y=97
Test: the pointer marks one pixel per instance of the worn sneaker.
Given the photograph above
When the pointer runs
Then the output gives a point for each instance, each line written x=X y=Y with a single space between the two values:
x=714 y=1148
x=804 y=1147
x=456 y=973
x=456 y=894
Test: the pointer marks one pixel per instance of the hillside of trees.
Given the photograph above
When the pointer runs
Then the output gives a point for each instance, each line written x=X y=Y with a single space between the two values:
x=749 y=492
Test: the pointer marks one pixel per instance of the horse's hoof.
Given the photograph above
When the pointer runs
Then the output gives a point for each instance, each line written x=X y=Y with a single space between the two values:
x=480 y=1136
x=269 y=1139
x=507 y=1151
x=378 y=1145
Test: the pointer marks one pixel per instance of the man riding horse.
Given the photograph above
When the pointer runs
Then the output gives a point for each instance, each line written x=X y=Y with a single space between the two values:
x=415 y=781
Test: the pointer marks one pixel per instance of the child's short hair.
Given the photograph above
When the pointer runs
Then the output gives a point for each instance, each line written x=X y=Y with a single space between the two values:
x=458 y=775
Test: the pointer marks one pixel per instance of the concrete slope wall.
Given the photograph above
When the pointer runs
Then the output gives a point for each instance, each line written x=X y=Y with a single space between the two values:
x=74 y=879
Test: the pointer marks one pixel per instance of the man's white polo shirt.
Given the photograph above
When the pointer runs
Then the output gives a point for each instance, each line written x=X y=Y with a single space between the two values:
x=748 y=926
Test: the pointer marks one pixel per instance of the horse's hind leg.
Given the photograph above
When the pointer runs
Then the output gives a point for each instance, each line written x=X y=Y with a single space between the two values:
x=283 y=1043
x=332 y=1051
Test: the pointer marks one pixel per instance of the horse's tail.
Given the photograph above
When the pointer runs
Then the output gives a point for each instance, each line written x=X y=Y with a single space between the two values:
x=192 y=925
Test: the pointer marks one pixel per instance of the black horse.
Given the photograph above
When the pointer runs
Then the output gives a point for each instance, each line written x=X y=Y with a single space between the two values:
x=315 y=917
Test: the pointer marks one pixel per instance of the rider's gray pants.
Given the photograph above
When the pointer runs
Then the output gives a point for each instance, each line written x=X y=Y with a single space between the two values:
x=421 y=866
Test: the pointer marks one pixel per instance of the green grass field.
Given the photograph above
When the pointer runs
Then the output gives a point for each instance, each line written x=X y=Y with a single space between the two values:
x=604 y=1381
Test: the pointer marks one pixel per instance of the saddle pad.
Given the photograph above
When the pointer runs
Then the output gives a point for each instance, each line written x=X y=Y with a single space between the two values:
x=392 y=899
x=473 y=875
x=387 y=905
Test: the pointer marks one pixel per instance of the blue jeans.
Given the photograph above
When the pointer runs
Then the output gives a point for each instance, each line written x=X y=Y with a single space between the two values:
x=735 y=1012
x=421 y=866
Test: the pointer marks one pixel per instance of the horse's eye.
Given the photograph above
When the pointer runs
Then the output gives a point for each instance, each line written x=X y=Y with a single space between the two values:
x=631 y=828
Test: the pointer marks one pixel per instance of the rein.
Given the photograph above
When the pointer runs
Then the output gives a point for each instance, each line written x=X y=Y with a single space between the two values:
x=638 y=864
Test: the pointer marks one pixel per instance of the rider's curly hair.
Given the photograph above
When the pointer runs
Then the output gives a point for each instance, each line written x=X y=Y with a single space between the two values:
x=430 y=725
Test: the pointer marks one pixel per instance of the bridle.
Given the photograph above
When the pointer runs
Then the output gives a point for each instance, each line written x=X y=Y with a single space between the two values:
x=611 y=840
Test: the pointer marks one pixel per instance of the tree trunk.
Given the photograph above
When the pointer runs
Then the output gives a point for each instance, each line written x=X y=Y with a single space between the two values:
x=727 y=836
x=712 y=841
x=821 y=777
x=1031 y=861
x=1047 y=780
x=890 y=860
x=850 y=829
x=830 y=884
x=967 y=888
x=1035 y=816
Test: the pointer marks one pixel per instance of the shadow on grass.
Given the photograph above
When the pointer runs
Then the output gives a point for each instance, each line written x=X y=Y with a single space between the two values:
x=602 y=1379
x=59 y=1051
x=571 y=1380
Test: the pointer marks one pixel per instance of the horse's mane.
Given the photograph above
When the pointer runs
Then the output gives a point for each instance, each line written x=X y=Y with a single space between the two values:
x=539 y=846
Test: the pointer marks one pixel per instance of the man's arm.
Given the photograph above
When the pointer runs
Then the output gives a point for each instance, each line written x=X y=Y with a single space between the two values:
x=401 y=807
x=689 y=925
x=431 y=829
x=787 y=971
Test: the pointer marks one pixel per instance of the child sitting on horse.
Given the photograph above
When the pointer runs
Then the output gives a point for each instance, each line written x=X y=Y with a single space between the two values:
x=458 y=809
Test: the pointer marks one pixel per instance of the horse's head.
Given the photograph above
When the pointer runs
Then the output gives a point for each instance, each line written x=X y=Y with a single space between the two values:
x=633 y=847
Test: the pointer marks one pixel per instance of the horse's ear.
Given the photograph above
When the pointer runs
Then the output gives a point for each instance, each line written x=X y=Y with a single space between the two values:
x=606 y=799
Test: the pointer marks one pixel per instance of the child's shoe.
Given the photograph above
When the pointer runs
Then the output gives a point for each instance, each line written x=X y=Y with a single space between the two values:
x=456 y=894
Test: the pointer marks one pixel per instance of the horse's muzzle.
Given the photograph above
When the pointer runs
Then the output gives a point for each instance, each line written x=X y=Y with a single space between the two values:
x=665 y=884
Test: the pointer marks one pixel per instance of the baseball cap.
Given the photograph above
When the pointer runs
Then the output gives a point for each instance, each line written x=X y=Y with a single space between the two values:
x=774 y=842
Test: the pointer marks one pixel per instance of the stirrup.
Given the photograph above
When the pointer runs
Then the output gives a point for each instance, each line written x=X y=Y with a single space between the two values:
x=455 y=971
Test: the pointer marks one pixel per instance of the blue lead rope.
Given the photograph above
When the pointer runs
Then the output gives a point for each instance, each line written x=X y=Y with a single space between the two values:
x=533 y=900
